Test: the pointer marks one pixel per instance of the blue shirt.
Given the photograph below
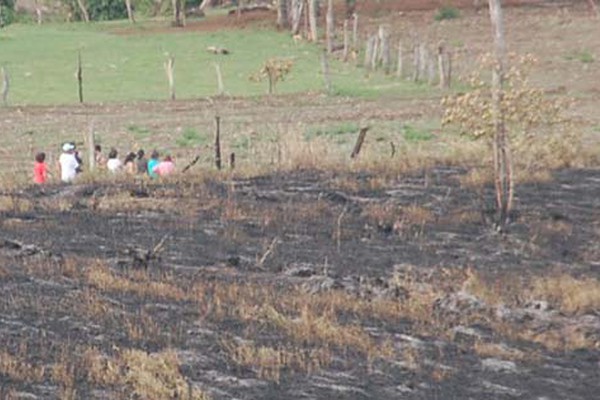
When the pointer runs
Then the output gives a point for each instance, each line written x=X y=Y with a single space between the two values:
x=152 y=163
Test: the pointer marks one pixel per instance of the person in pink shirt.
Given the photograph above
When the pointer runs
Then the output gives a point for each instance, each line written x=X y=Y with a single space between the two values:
x=165 y=167
x=40 y=169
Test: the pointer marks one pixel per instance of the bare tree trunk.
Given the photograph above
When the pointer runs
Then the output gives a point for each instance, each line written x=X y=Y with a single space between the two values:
x=282 y=14
x=297 y=8
x=369 y=47
x=346 y=40
x=423 y=60
x=38 y=13
x=129 y=11
x=83 y=9
x=400 y=65
x=416 y=61
x=178 y=12
x=385 y=52
x=312 y=19
x=355 y=32
x=442 y=66
x=204 y=4
x=330 y=26
x=5 y=86
x=170 y=71
x=374 y=56
x=502 y=161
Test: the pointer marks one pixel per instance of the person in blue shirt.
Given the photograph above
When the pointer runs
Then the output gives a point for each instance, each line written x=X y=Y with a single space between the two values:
x=152 y=163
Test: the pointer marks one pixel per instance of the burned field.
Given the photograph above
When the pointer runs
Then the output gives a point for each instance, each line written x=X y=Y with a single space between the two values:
x=301 y=284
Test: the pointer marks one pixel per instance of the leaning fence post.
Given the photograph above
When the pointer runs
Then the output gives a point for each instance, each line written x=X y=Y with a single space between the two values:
x=218 y=142
x=359 y=141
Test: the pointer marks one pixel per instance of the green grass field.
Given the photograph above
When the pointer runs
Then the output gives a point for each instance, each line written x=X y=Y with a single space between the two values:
x=42 y=61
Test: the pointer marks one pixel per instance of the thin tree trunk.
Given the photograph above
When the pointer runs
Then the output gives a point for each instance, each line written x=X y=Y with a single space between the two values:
x=416 y=61
x=330 y=26
x=178 y=12
x=502 y=165
x=355 y=32
x=385 y=53
x=375 y=54
x=129 y=11
x=442 y=66
x=312 y=20
x=369 y=47
x=84 y=11
x=400 y=64
x=282 y=14
x=423 y=60
x=297 y=8
x=346 y=40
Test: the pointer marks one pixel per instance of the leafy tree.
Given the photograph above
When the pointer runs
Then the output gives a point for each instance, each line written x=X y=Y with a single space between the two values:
x=275 y=70
x=537 y=133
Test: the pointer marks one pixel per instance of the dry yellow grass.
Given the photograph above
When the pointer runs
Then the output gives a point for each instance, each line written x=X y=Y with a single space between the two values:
x=18 y=369
x=138 y=283
x=570 y=295
x=268 y=362
x=497 y=350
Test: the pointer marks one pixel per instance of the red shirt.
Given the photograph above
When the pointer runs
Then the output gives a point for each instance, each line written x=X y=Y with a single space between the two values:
x=40 y=172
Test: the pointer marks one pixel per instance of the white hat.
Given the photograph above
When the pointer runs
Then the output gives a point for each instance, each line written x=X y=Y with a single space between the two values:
x=68 y=147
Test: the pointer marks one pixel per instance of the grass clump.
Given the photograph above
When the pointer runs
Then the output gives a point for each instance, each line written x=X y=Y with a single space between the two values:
x=446 y=12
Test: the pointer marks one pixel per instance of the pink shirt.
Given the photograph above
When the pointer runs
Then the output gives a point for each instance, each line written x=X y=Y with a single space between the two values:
x=164 y=168
x=40 y=172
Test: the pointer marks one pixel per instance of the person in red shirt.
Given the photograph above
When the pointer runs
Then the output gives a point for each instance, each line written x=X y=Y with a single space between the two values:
x=40 y=169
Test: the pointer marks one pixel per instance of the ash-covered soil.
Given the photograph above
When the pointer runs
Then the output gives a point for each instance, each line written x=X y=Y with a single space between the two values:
x=437 y=302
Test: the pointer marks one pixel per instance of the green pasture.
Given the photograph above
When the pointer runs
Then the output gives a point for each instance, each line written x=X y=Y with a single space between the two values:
x=42 y=61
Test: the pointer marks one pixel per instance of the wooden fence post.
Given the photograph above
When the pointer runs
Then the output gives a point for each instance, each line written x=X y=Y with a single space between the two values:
x=169 y=69
x=232 y=161
x=80 y=77
x=359 y=141
x=442 y=66
x=218 y=142
x=221 y=89
x=5 y=86
x=91 y=146
x=326 y=75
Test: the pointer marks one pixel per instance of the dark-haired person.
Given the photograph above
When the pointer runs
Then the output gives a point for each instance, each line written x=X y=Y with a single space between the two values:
x=114 y=164
x=142 y=162
x=129 y=163
x=40 y=169
x=153 y=163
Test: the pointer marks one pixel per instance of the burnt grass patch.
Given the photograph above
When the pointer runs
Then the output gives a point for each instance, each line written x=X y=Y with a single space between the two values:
x=302 y=284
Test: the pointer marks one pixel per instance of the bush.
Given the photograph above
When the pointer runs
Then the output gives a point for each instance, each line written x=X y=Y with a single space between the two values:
x=7 y=12
x=447 y=13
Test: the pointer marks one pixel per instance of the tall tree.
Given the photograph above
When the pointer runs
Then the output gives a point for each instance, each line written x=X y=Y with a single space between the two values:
x=83 y=9
x=282 y=14
x=129 y=11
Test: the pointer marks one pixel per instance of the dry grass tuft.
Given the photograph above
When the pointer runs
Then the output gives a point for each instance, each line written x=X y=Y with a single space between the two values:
x=571 y=295
x=268 y=362
x=156 y=376
x=139 y=283
x=19 y=369
x=497 y=350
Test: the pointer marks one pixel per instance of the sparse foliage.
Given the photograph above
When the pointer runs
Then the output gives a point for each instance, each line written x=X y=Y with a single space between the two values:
x=539 y=136
x=275 y=70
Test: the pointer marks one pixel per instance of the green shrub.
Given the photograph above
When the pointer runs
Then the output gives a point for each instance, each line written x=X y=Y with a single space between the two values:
x=7 y=12
x=447 y=13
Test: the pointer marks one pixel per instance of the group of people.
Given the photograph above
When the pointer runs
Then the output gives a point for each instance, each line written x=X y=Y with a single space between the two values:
x=70 y=164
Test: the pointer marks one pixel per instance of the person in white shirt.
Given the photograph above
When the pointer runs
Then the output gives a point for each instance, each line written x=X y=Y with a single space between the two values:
x=68 y=163
x=113 y=164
